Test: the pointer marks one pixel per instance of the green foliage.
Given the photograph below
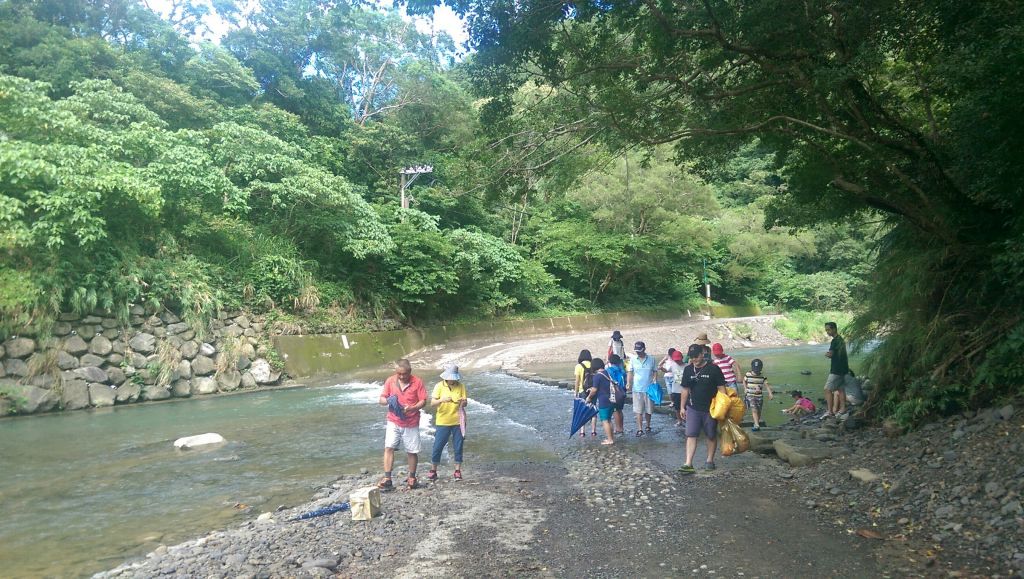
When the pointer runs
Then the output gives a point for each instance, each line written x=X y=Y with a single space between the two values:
x=807 y=326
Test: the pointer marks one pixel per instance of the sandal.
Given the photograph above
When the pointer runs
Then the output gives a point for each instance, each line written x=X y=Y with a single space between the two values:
x=593 y=434
x=686 y=469
x=457 y=475
x=432 y=475
x=583 y=435
x=607 y=442
x=639 y=433
x=410 y=482
x=385 y=484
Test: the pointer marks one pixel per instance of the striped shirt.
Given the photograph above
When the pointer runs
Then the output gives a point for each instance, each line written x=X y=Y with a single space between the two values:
x=725 y=364
x=754 y=384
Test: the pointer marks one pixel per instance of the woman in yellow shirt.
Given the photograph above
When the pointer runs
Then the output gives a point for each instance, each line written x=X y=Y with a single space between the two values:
x=582 y=374
x=449 y=397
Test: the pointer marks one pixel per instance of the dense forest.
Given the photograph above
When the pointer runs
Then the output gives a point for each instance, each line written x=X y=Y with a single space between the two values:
x=583 y=157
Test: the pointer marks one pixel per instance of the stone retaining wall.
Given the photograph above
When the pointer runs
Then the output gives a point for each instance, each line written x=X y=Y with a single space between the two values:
x=96 y=361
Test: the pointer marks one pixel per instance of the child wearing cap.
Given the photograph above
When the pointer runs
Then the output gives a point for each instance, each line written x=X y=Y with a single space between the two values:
x=730 y=369
x=449 y=397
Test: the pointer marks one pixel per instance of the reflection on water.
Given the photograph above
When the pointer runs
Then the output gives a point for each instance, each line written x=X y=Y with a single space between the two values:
x=92 y=488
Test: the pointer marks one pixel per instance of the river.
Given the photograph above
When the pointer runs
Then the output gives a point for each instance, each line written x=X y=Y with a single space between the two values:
x=83 y=491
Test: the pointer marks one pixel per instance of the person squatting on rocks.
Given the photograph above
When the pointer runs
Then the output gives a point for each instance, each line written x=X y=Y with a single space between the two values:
x=755 y=384
x=600 y=387
x=617 y=373
x=404 y=395
x=642 y=372
x=581 y=377
x=449 y=397
x=701 y=381
x=729 y=367
x=835 y=396
x=801 y=407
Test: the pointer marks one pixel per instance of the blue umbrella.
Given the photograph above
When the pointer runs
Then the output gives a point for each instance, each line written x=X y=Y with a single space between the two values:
x=395 y=407
x=581 y=414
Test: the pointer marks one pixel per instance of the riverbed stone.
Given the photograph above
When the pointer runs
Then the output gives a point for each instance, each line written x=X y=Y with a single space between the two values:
x=181 y=388
x=243 y=362
x=248 y=351
x=183 y=370
x=207 y=349
x=138 y=360
x=143 y=343
x=75 y=395
x=204 y=385
x=128 y=392
x=203 y=366
x=116 y=376
x=232 y=331
x=188 y=334
x=91 y=360
x=177 y=328
x=169 y=317
x=115 y=360
x=229 y=380
x=61 y=329
x=30 y=399
x=87 y=331
x=101 y=395
x=66 y=361
x=19 y=347
x=16 y=367
x=763 y=441
x=92 y=374
x=75 y=346
x=261 y=371
x=108 y=323
x=248 y=382
x=189 y=349
x=111 y=334
x=803 y=452
x=154 y=392
x=243 y=321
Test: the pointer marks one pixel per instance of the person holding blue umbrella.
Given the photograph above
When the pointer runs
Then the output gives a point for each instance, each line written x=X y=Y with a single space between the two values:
x=600 y=388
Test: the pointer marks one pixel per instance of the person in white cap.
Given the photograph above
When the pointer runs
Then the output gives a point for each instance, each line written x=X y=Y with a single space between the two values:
x=449 y=397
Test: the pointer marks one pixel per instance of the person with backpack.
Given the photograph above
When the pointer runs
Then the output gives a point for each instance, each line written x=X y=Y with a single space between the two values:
x=617 y=371
x=582 y=374
x=616 y=346
x=602 y=388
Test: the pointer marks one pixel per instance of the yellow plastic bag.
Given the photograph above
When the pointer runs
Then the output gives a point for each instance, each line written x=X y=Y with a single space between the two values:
x=720 y=405
x=733 y=438
x=736 y=408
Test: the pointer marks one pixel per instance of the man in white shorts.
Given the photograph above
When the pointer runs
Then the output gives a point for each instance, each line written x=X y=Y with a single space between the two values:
x=642 y=371
x=404 y=395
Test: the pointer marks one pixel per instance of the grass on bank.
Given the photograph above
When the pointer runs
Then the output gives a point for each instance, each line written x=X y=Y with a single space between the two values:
x=808 y=326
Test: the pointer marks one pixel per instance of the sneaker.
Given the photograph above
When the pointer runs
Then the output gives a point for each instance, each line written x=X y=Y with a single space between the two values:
x=755 y=428
x=457 y=475
x=826 y=416
x=709 y=466
x=686 y=469
x=432 y=475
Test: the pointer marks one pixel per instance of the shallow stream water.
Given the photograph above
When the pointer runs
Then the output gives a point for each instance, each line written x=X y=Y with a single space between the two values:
x=83 y=491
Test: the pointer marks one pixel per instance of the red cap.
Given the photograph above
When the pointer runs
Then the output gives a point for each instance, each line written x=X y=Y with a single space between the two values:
x=677 y=356
x=717 y=349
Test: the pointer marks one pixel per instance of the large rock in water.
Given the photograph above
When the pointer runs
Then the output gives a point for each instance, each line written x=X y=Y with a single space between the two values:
x=204 y=385
x=75 y=395
x=30 y=399
x=189 y=442
x=262 y=372
x=19 y=347
x=229 y=380
x=128 y=392
x=101 y=395
x=181 y=388
x=154 y=392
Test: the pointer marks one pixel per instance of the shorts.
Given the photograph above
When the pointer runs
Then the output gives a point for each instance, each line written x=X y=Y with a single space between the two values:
x=642 y=403
x=677 y=401
x=409 y=436
x=605 y=413
x=697 y=421
x=835 y=382
x=755 y=402
x=620 y=404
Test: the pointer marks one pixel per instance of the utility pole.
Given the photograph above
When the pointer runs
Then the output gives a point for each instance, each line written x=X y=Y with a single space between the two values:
x=407 y=176
x=707 y=286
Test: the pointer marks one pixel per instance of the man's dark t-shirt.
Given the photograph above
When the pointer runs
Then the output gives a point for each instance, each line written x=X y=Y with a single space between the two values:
x=840 y=363
x=703 y=384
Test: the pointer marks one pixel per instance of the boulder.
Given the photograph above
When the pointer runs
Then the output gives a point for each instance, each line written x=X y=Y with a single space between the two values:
x=189 y=442
x=108 y=323
x=242 y=321
x=175 y=329
x=87 y=331
x=204 y=385
x=138 y=360
x=143 y=343
x=75 y=345
x=66 y=361
x=248 y=351
x=61 y=329
x=3 y=371
x=91 y=360
x=16 y=367
x=92 y=374
x=233 y=331
x=154 y=321
x=248 y=382
x=763 y=441
x=118 y=347
x=154 y=392
x=46 y=380
x=115 y=359
x=100 y=346
x=101 y=395
x=128 y=392
x=261 y=371
x=75 y=395
x=802 y=452
x=203 y=366
x=30 y=399
x=169 y=317
x=91 y=319
x=19 y=347
x=243 y=363
x=189 y=350
x=207 y=349
x=188 y=334
x=229 y=380
x=183 y=370
x=181 y=388
x=136 y=310
x=116 y=376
